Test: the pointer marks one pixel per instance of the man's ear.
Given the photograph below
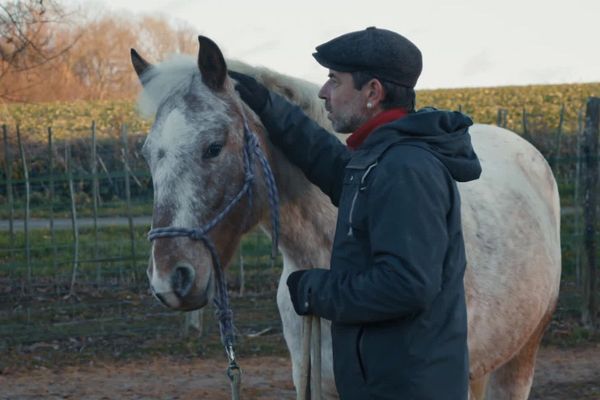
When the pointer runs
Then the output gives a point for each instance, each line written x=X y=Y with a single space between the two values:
x=375 y=92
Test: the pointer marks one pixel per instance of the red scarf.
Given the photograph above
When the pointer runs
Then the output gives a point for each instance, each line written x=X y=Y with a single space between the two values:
x=358 y=137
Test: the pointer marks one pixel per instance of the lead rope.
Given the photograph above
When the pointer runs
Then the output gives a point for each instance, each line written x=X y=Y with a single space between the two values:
x=221 y=301
x=316 y=359
x=310 y=365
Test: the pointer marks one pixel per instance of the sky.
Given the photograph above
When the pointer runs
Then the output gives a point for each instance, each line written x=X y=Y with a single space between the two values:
x=465 y=43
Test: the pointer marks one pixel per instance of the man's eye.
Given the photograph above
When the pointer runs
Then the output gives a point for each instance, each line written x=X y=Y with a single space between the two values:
x=212 y=151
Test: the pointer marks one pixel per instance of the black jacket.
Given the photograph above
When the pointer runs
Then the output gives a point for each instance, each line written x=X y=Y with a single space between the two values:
x=394 y=292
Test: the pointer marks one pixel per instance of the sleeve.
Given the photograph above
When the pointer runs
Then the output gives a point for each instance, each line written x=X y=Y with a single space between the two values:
x=318 y=153
x=408 y=235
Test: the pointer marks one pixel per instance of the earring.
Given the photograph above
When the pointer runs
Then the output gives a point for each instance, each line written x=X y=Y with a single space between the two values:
x=369 y=105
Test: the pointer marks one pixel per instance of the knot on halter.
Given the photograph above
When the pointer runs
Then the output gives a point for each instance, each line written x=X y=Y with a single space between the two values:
x=223 y=314
x=249 y=177
x=196 y=234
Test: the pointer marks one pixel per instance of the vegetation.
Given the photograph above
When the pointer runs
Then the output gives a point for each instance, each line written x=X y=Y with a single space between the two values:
x=542 y=103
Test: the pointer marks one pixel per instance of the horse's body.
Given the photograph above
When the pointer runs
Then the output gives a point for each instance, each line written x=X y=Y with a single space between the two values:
x=510 y=221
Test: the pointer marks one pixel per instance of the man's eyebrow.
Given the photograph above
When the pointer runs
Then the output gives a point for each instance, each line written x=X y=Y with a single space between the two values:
x=331 y=75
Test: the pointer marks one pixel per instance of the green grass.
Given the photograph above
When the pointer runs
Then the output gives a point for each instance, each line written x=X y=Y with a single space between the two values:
x=107 y=256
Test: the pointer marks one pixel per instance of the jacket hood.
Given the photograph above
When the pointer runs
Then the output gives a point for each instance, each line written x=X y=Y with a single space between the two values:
x=444 y=133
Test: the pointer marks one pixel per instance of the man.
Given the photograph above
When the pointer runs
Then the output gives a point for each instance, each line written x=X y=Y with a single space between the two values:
x=394 y=292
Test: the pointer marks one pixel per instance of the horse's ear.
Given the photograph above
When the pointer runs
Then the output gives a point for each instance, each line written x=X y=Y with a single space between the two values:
x=211 y=63
x=140 y=65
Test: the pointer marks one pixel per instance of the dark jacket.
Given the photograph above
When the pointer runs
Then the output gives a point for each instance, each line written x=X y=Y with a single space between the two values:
x=394 y=292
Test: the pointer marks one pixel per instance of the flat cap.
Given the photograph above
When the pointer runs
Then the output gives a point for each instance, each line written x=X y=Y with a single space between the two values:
x=385 y=54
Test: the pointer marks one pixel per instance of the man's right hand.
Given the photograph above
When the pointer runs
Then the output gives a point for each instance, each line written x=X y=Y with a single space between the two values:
x=254 y=94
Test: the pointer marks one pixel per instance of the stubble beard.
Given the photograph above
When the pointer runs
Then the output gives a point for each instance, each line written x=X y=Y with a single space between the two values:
x=347 y=124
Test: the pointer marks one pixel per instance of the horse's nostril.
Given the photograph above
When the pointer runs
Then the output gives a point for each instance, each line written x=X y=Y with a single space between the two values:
x=182 y=280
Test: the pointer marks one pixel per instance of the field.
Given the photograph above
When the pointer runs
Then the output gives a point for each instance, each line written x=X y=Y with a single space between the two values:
x=541 y=102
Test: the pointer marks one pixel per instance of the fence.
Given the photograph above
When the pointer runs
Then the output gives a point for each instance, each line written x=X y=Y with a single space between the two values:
x=73 y=245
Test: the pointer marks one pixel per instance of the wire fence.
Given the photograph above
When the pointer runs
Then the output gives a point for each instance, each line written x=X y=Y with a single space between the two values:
x=73 y=250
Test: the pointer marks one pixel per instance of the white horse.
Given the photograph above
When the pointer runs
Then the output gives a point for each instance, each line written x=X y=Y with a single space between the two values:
x=195 y=153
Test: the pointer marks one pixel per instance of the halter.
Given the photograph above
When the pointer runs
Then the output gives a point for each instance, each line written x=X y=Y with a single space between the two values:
x=221 y=300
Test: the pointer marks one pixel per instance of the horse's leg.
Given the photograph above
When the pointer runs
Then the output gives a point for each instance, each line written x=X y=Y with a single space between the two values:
x=477 y=388
x=513 y=380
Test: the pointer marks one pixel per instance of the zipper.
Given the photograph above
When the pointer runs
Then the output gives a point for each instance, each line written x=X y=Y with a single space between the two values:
x=361 y=188
x=351 y=212
x=359 y=350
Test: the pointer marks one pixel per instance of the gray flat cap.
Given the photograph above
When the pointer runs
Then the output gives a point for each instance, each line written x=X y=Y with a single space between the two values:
x=383 y=53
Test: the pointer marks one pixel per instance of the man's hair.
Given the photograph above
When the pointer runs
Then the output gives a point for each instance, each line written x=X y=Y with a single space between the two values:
x=395 y=95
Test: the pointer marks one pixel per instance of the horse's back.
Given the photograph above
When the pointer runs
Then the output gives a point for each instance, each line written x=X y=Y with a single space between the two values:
x=511 y=224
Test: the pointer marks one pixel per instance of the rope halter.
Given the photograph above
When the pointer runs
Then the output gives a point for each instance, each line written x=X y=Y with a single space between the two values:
x=221 y=300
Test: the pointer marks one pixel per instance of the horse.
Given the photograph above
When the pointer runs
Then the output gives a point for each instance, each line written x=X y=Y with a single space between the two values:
x=196 y=152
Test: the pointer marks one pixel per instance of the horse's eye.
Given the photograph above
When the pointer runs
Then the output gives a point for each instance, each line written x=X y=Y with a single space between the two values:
x=213 y=150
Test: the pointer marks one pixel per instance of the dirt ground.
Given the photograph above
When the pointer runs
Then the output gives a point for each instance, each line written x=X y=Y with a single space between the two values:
x=565 y=374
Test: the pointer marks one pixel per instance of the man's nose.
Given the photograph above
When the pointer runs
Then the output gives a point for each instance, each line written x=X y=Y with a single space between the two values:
x=322 y=94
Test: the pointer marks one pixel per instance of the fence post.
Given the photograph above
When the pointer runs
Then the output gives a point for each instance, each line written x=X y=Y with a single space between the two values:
x=577 y=200
x=592 y=128
x=73 y=220
x=501 y=118
x=27 y=210
x=242 y=273
x=9 y=188
x=128 y=194
x=51 y=197
x=556 y=158
x=95 y=187
x=525 y=125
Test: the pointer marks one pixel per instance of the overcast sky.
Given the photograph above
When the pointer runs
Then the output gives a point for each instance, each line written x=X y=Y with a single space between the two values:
x=464 y=42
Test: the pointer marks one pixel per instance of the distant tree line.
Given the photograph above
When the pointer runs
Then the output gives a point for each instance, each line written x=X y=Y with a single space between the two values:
x=51 y=53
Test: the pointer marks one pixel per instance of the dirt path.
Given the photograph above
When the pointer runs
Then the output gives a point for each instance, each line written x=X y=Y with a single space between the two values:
x=563 y=374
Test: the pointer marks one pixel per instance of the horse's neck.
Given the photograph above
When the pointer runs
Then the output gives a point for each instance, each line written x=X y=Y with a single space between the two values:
x=307 y=217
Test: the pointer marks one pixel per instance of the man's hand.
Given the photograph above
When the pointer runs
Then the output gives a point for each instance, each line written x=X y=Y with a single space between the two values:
x=253 y=93
x=301 y=305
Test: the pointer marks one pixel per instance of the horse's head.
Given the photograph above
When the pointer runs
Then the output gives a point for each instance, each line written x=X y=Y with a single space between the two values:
x=195 y=151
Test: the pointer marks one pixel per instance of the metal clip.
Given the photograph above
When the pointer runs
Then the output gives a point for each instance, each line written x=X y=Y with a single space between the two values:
x=230 y=353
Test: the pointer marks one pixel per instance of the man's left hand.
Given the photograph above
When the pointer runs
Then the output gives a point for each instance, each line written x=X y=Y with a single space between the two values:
x=300 y=301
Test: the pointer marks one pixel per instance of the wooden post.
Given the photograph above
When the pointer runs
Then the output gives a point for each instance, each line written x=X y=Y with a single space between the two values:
x=95 y=194
x=128 y=193
x=242 y=273
x=9 y=187
x=525 y=125
x=27 y=209
x=577 y=200
x=556 y=158
x=592 y=128
x=51 y=197
x=73 y=220
x=501 y=117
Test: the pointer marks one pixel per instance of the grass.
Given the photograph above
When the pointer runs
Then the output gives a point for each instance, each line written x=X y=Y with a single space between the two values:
x=114 y=317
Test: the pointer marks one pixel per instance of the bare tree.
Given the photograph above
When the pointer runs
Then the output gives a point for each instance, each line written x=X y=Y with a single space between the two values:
x=49 y=53
x=27 y=43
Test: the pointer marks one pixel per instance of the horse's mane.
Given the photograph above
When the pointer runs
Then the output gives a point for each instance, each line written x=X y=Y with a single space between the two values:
x=177 y=72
